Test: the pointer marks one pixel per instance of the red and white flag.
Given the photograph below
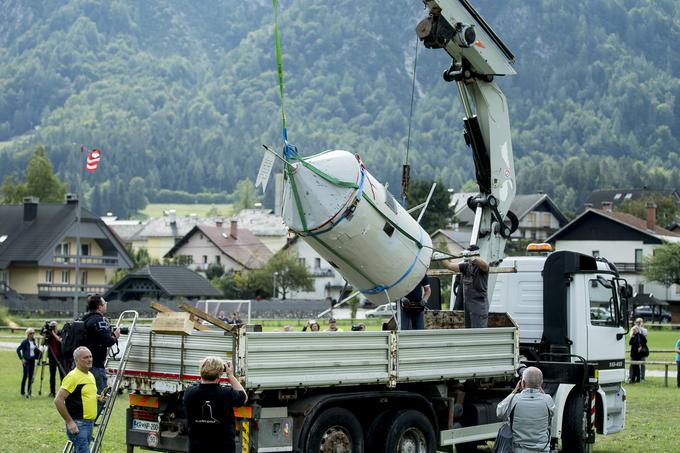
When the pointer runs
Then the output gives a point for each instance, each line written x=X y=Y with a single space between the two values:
x=93 y=160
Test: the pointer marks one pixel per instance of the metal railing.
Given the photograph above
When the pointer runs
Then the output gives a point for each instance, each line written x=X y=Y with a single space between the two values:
x=655 y=362
x=68 y=289
x=630 y=267
x=86 y=260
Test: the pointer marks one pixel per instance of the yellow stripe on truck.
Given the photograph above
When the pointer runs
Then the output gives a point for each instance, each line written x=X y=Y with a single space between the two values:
x=245 y=436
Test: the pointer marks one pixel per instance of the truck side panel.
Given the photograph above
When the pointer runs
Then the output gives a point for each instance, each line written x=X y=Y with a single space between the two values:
x=456 y=353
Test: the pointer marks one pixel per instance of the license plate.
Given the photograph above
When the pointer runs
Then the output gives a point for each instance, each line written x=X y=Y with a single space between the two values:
x=145 y=425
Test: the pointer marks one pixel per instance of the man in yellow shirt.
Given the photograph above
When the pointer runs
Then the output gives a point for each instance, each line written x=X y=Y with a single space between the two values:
x=77 y=399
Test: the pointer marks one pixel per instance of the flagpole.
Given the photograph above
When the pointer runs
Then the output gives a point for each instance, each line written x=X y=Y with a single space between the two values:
x=78 y=215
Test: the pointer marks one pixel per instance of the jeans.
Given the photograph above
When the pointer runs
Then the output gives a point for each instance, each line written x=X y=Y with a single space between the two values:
x=412 y=319
x=29 y=367
x=81 y=441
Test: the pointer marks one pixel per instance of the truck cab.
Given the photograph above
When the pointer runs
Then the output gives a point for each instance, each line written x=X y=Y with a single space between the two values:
x=571 y=308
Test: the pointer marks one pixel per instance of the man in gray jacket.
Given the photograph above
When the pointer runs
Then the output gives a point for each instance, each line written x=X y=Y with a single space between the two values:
x=530 y=412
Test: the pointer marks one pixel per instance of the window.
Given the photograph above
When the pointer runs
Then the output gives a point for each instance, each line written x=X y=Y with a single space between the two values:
x=3 y=276
x=83 y=278
x=617 y=196
x=628 y=196
x=61 y=250
x=302 y=261
x=186 y=260
x=602 y=302
x=218 y=259
x=85 y=249
x=546 y=219
x=638 y=255
x=49 y=276
x=205 y=259
x=317 y=263
x=531 y=219
x=65 y=277
x=596 y=253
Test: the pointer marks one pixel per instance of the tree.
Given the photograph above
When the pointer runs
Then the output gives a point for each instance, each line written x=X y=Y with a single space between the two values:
x=438 y=213
x=136 y=199
x=667 y=208
x=246 y=195
x=40 y=182
x=290 y=274
x=664 y=266
x=214 y=271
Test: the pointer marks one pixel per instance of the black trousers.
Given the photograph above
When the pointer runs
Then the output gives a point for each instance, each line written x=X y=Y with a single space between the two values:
x=54 y=366
x=29 y=368
x=634 y=373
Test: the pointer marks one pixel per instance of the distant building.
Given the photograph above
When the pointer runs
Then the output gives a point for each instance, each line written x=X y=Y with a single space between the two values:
x=614 y=197
x=265 y=225
x=159 y=235
x=538 y=216
x=38 y=250
x=232 y=247
x=451 y=241
x=162 y=282
x=623 y=239
x=327 y=280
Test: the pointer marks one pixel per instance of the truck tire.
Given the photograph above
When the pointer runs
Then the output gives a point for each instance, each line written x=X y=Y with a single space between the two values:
x=335 y=430
x=574 y=426
x=410 y=432
x=375 y=436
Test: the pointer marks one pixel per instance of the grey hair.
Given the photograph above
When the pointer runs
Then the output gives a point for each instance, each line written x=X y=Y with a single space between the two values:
x=78 y=350
x=533 y=377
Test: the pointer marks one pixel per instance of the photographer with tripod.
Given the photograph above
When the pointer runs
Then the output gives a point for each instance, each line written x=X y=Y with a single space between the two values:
x=51 y=339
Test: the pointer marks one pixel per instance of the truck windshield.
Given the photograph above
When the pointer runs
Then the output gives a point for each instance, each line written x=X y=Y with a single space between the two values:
x=602 y=302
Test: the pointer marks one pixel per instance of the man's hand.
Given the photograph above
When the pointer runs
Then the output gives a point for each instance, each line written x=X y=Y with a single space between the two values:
x=518 y=387
x=116 y=333
x=72 y=427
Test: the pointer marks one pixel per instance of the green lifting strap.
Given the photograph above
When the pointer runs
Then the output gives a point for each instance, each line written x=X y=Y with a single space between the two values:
x=279 y=64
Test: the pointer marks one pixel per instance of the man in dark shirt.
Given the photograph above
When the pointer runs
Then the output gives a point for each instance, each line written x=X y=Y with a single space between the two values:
x=100 y=336
x=474 y=279
x=208 y=407
x=412 y=306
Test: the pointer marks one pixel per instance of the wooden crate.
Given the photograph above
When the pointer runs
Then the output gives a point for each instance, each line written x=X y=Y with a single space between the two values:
x=174 y=323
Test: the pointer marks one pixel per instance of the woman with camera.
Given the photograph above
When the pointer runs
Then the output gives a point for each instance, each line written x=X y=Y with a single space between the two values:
x=638 y=351
x=28 y=353
x=208 y=407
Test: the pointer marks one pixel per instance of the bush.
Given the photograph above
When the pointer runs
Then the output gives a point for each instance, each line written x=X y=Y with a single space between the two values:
x=5 y=319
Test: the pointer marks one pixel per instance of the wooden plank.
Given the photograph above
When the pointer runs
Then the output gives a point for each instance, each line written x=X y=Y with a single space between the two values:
x=206 y=317
x=160 y=308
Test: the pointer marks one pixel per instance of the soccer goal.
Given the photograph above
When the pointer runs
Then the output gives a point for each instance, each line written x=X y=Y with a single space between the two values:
x=231 y=311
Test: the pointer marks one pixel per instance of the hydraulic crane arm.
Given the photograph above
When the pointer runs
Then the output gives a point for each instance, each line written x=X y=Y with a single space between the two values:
x=478 y=55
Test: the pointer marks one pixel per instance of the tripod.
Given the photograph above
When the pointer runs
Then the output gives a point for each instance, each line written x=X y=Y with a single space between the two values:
x=49 y=355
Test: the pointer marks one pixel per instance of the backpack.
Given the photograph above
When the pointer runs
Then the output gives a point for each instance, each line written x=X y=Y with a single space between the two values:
x=73 y=335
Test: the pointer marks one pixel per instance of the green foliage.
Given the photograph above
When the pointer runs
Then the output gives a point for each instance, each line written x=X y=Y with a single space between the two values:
x=40 y=182
x=214 y=271
x=667 y=208
x=246 y=195
x=288 y=272
x=5 y=318
x=664 y=265
x=438 y=214
x=229 y=285
x=172 y=96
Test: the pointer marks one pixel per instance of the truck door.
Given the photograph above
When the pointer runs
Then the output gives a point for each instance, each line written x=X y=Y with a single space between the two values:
x=603 y=324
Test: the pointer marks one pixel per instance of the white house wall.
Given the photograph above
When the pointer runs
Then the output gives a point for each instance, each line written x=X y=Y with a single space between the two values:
x=199 y=245
x=304 y=251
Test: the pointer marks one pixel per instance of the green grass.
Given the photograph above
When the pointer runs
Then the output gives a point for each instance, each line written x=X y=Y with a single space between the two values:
x=34 y=425
x=156 y=209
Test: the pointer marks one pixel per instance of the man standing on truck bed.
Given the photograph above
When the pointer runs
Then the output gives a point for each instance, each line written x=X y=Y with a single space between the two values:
x=413 y=306
x=208 y=407
x=475 y=279
x=100 y=336
x=530 y=412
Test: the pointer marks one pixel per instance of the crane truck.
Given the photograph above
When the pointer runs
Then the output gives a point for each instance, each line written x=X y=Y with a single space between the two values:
x=402 y=391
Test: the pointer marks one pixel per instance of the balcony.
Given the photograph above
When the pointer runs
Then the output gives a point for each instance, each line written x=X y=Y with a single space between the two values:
x=48 y=290
x=88 y=260
x=630 y=268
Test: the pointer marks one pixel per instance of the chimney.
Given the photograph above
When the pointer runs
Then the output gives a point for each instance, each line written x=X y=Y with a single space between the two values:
x=234 y=229
x=30 y=208
x=218 y=223
x=587 y=206
x=172 y=217
x=607 y=206
x=71 y=198
x=651 y=216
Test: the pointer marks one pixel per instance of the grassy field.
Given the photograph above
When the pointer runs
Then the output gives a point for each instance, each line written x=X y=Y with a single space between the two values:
x=34 y=425
x=156 y=209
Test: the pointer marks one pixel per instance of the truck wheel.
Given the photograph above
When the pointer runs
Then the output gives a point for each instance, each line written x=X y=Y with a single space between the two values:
x=574 y=426
x=410 y=432
x=336 y=430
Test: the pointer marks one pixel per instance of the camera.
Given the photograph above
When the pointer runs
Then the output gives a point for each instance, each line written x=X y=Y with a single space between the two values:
x=520 y=370
x=358 y=327
x=124 y=330
x=47 y=328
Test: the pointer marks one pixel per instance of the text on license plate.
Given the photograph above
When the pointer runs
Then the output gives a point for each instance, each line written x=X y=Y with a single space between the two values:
x=145 y=425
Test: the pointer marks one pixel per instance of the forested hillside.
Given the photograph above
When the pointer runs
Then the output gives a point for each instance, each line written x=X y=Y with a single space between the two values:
x=183 y=93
